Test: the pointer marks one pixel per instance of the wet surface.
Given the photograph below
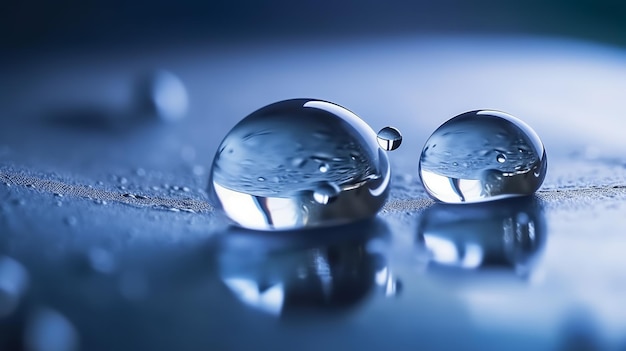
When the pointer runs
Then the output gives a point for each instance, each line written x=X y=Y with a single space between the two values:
x=107 y=239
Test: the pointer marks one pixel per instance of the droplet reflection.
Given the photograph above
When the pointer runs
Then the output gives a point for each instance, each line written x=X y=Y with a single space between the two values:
x=324 y=271
x=509 y=233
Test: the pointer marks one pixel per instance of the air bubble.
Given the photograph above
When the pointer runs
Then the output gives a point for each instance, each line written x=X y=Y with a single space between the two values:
x=325 y=193
x=389 y=138
x=486 y=175
x=305 y=143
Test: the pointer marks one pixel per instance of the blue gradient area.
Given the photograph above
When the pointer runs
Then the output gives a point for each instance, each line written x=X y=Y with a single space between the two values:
x=419 y=276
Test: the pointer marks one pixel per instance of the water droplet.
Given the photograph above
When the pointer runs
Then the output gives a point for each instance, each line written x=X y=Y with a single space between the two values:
x=49 y=330
x=325 y=193
x=140 y=172
x=487 y=176
x=161 y=94
x=260 y=179
x=198 y=170
x=13 y=284
x=133 y=285
x=101 y=260
x=389 y=138
x=335 y=147
x=71 y=221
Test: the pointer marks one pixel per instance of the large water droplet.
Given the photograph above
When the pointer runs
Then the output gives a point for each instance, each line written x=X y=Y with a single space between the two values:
x=280 y=138
x=487 y=144
x=389 y=138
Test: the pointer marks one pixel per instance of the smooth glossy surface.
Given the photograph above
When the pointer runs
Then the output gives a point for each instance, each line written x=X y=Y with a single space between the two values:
x=299 y=163
x=389 y=138
x=480 y=156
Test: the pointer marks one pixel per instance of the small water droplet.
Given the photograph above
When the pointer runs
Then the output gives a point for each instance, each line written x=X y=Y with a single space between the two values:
x=198 y=170
x=161 y=94
x=389 y=138
x=13 y=284
x=325 y=193
x=123 y=180
x=260 y=179
x=465 y=138
x=133 y=285
x=335 y=146
x=101 y=260
x=140 y=172
x=49 y=330
x=71 y=221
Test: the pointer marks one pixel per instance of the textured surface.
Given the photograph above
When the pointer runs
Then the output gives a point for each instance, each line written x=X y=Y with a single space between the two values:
x=111 y=221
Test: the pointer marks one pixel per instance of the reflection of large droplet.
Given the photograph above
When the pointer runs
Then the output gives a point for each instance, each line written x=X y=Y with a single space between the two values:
x=301 y=143
x=329 y=271
x=480 y=156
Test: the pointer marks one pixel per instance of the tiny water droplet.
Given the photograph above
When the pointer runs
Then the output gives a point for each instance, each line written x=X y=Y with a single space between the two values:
x=465 y=138
x=140 y=172
x=334 y=146
x=260 y=179
x=71 y=221
x=325 y=193
x=389 y=138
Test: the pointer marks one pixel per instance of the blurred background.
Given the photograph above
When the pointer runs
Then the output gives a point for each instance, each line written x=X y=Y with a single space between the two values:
x=98 y=23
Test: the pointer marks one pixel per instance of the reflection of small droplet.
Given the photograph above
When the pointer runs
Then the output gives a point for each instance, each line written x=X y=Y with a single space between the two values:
x=493 y=167
x=260 y=179
x=325 y=193
x=389 y=138
x=323 y=168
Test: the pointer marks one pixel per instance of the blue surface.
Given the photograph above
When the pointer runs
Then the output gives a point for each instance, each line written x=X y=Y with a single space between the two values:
x=170 y=257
